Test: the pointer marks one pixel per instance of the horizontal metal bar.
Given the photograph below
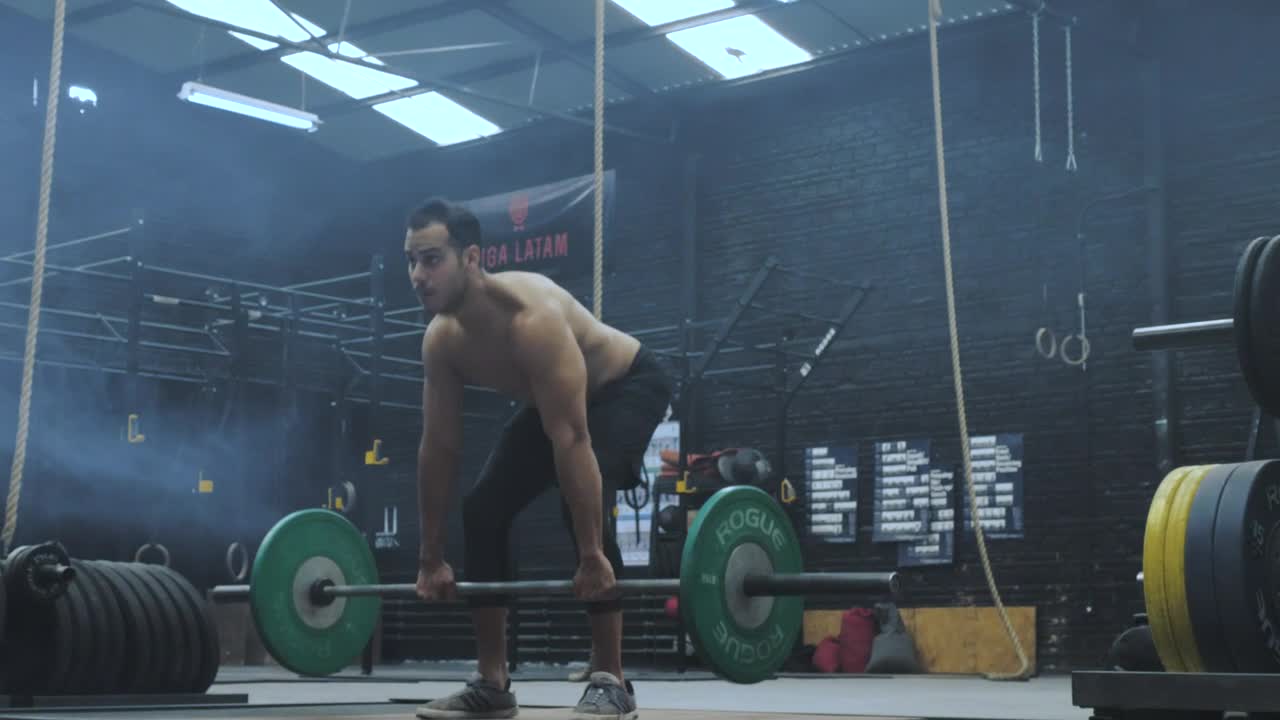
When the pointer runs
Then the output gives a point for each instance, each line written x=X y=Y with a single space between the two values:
x=390 y=313
x=1184 y=335
x=69 y=243
x=404 y=323
x=388 y=336
x=1041 y=7
x=328 y=281
x=46 y=330
x=752 y=586
x=402 y=311
x=743 y=369
x=389 y=358
x=257 y=286
x=55 y=269
x=692 y=324
x=184 y=348
x=154 y=374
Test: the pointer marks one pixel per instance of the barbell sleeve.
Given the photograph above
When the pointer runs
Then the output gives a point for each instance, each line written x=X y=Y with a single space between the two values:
x=1185 y=335
x=820 y=583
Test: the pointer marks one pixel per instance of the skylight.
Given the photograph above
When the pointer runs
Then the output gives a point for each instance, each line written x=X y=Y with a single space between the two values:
x=734 y=48
x=659 y=12
x=348 y=78
x=437 y=118
x=261 y=16
x=431 y=114
x=739 y=46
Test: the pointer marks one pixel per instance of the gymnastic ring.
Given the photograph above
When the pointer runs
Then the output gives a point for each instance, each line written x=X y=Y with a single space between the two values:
x=232 y=550
x=1053 y=346
x=1084 y=350
x=164 y=552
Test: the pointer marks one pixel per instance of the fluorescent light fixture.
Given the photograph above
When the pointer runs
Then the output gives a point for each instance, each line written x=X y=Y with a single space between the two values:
x=658 y=12
x=348 y=78
x=437 y=118
x=739 y=46
x=262 y=16
x=253 y=107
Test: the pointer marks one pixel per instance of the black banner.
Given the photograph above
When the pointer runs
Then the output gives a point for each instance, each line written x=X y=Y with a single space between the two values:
x=547 y=229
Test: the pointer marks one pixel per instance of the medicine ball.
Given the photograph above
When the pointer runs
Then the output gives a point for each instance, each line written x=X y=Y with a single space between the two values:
x=745 y=466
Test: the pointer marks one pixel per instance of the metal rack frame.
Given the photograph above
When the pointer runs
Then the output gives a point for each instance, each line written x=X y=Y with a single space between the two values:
x=790 y=361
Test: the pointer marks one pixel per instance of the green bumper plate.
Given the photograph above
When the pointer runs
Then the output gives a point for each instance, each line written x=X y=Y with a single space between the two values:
x=733 y=517
x=305 y=546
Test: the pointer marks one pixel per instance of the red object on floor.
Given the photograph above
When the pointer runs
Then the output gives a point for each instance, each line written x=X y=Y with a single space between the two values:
x=826 y=658
x=857 y=632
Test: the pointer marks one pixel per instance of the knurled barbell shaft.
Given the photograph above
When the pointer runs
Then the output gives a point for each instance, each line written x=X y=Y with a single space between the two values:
x=1185 y=335
x=753 y=585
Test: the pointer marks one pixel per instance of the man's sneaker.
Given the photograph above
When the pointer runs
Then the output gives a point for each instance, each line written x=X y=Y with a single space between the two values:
x=479 y=699
x=605 y=697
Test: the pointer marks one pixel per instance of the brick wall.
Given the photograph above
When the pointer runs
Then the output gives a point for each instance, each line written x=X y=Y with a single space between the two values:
x=835 y=172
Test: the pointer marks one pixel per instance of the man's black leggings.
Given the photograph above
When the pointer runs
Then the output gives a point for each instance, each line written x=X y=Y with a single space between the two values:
x=621 y=419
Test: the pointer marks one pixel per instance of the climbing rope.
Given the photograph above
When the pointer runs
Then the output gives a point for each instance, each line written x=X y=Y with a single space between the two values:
x=935 y=14
x=597 y=270
x=1035 y=70
x=1071 y=108
x=37 y=277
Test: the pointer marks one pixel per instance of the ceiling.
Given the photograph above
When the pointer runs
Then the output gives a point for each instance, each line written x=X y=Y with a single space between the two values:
x=512 y=62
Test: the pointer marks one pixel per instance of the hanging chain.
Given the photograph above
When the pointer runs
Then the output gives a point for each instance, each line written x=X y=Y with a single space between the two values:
x=1071 y=133
x=1035 y=62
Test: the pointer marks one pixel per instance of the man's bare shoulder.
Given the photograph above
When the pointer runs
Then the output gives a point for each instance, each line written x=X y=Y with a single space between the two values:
x=438 y=341
x=529 y=288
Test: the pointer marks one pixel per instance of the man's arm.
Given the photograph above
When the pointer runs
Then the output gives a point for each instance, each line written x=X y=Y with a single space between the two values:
x=557 y=375
x=440 y=448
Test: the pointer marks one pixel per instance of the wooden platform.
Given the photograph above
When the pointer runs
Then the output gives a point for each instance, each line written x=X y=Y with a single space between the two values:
x=961 y=640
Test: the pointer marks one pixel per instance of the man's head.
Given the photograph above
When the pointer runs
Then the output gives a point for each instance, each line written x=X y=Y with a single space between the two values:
x=442 y=246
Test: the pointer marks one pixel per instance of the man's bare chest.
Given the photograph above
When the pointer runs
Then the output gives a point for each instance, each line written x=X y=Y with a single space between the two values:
x=490 y=364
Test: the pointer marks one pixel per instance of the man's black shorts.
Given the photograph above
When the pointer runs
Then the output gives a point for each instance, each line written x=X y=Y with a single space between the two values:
x=621 y=419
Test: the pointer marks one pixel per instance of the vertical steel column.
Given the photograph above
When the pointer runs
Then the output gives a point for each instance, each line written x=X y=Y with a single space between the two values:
x=1158 y=267
x=378 y=295
x=238 y=484
x=377 y=330
x=137 y=242
x=687 y=410
x=780 y=386
x=137 y=249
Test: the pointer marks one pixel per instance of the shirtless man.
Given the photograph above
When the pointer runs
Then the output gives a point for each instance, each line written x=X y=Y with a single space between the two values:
x=592 y=399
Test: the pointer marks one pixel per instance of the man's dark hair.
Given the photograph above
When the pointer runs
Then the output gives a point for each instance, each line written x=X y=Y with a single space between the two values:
x=463 y=226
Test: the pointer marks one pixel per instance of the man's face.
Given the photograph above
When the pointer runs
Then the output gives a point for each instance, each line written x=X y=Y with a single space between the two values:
x=436 y=270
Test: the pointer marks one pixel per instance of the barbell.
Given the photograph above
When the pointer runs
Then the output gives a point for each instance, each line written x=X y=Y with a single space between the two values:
x=1254 y=327
x=315 y=596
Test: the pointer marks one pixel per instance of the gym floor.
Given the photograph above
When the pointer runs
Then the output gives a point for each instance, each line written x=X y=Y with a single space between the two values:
x=394 y=692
